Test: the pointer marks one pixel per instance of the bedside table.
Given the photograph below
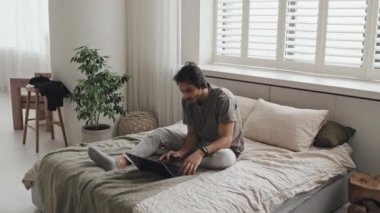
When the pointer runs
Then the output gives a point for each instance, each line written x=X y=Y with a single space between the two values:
x=364 y=193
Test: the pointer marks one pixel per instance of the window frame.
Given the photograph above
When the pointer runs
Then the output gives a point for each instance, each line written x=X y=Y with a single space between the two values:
x=365 y=71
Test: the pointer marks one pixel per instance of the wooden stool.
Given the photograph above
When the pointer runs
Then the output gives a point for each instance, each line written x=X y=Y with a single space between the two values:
x=49 y=120
x=364 y=193
x=19 y=100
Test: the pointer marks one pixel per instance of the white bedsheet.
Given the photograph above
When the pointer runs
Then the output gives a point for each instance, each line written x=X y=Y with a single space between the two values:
x=262 y=179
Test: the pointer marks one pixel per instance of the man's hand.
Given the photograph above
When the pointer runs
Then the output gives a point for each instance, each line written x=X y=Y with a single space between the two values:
x=172 y=154
x=190 y=166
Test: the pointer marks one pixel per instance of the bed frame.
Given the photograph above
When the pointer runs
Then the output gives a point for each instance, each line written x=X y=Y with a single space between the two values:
x=326 y=198
x=356 y=112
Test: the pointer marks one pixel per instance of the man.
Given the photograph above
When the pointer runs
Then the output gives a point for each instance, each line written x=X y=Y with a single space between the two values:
x=214 y=135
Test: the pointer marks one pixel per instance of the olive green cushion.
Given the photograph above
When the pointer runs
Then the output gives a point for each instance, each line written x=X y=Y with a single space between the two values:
x=333 y=134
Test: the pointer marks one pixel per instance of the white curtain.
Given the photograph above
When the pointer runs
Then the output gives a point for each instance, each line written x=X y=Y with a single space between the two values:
x=24 y=39
x=153 y=57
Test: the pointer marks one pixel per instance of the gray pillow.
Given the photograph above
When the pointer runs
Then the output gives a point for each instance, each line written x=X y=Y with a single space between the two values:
x=333 y=134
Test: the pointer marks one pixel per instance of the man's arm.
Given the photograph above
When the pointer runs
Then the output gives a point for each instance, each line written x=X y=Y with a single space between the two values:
x=225 y=132
x=187 y=146
x=190 y=141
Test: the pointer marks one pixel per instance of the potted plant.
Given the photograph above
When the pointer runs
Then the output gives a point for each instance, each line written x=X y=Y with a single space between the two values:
x=97 y=94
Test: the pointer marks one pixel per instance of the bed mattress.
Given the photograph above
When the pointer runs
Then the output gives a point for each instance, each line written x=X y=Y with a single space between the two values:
x=263 y=179
x=325 y=198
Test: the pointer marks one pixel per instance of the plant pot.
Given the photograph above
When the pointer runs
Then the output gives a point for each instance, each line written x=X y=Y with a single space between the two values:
x=90 y=134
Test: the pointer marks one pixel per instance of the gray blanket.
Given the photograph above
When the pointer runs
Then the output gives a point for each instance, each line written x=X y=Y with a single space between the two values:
x=70 y=182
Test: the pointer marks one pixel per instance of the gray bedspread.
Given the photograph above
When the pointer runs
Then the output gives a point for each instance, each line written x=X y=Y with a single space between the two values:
x=260 y=181
x=70 y=182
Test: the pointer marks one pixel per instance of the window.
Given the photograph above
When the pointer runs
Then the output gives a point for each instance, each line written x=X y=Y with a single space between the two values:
x=345 y=33
x=24 y=39
x=376 y=61
x=340 y=37
x=263 y=29
x=301 y=30
x=229 y=27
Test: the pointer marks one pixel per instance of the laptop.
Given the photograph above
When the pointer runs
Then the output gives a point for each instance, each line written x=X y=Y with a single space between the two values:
x=164 y=169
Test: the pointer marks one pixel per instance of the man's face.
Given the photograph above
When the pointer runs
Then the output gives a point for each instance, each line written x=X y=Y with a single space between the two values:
x=190 y=92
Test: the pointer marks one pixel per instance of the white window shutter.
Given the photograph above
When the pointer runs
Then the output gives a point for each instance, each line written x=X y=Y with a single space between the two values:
x=229 y=27
x=376 y=58
x=262 y=36
x=345 y=32
x=301 y=30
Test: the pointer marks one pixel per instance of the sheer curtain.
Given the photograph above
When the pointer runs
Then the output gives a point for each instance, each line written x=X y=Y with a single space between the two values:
x=24 y=39
x=153 y=57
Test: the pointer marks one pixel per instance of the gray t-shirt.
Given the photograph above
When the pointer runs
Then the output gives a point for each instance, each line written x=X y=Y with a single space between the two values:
x=219 y=107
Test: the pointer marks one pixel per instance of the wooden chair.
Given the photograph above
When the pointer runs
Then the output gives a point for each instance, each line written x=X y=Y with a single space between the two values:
x=19 y=101
x=50 y=120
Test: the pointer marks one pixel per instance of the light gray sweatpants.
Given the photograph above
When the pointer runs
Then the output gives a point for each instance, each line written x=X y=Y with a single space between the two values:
x=162 y=140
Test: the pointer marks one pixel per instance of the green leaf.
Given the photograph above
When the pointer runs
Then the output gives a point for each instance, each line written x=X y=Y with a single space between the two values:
x=96 y=94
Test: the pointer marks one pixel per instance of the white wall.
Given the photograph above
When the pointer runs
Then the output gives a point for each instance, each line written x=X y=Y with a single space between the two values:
x=197 y=31
x=100 y=24
x=190 y=30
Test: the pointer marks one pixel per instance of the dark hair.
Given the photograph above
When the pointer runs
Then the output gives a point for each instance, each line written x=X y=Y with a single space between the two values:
x=190 y=73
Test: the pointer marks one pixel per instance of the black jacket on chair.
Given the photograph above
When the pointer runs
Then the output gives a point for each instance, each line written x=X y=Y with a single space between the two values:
x=54 y=91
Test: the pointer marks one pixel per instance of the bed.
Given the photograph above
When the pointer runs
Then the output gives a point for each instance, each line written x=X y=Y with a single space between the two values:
x=265 y=178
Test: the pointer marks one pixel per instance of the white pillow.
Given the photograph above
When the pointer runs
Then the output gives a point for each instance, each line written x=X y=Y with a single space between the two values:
x=246 y=106
x=283 y=126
